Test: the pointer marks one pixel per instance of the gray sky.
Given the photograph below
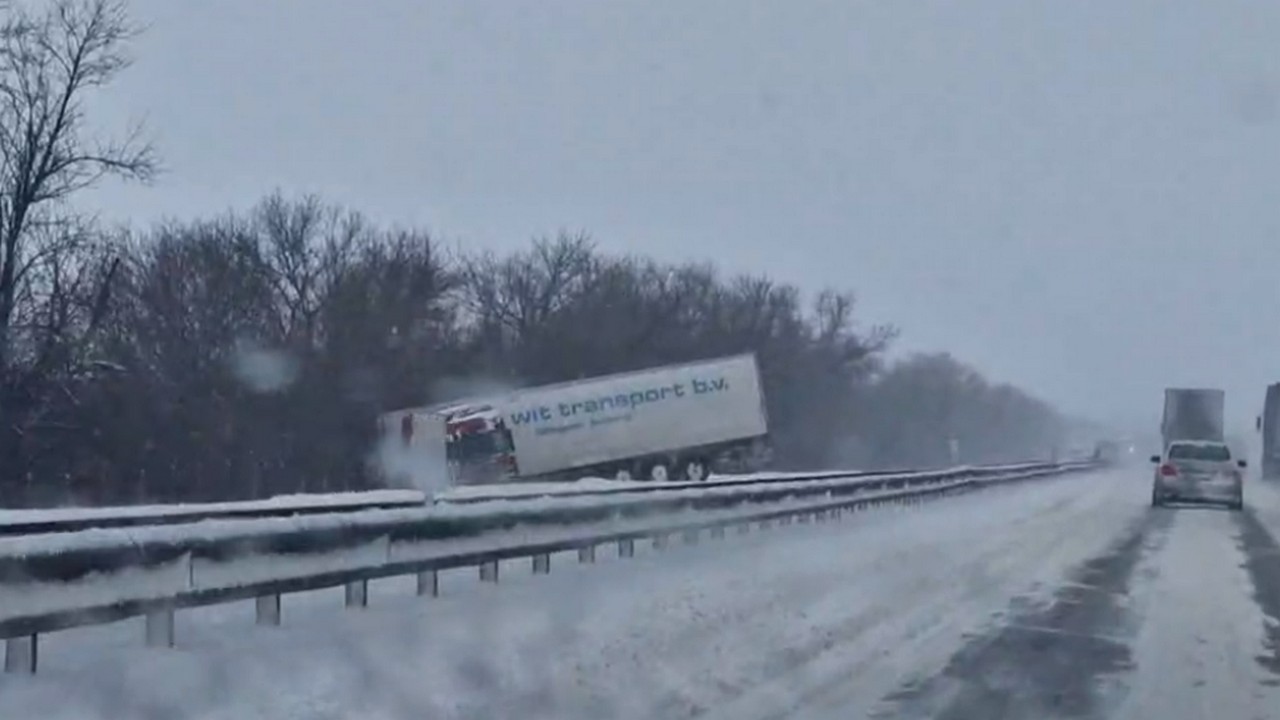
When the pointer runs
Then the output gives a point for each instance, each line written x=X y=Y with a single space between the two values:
x=1079 y=197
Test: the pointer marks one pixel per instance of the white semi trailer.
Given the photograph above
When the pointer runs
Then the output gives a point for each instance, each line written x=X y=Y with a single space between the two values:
x=672 y=422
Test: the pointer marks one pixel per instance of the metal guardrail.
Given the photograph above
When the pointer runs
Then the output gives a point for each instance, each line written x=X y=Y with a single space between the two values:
x=730 y=482
x=95 y=518
x=37 y=522
x=63 y=558
x=59 y=589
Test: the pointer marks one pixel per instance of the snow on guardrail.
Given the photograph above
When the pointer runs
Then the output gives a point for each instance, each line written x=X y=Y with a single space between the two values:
x=66 y=519
x=72 y=519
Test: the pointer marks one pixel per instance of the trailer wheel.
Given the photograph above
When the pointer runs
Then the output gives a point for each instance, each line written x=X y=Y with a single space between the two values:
x=623 y=474
x=658 y=472
x=695 y=470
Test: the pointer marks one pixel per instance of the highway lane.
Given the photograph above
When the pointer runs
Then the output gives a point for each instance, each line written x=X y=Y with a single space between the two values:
x=1178 y=618
x=1067 y=597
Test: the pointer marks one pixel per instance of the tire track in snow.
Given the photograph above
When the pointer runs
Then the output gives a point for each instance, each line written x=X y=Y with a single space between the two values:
x=1046 y=662
x=1202 y=628
x=1262 y=560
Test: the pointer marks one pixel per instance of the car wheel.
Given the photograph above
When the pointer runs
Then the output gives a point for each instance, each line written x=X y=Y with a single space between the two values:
x=1156 y=500
x=1238 y=505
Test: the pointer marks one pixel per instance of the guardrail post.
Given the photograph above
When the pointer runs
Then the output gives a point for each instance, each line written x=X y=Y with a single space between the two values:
x=626 y=548
x=691 y=537
x=784 y=520
x=659 y=541
x=357 y=594
x=587 y=554
x=20 y=654
x=717 y=532
x=268 y=609
x=159 y=627
x=429 y=583
x=744 y=528
x=489 y=571
x=803 y=518
x=766 y=524
x=542 y=564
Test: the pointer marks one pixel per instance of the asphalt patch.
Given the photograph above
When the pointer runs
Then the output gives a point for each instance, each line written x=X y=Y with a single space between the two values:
x=1047 y=660
x=1262 y=560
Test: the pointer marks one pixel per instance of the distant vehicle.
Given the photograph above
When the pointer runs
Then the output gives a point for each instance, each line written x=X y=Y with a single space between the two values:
x=1198 y=471
x=1192 y=414
x=1269 y=427
x=673 y=422
x=1107 y=451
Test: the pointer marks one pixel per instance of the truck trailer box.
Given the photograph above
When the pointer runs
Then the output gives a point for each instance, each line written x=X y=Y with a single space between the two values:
x=1193 y=414
x=612 y=418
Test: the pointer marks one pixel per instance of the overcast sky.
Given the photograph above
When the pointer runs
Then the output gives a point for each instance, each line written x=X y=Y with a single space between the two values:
x=1079 y=197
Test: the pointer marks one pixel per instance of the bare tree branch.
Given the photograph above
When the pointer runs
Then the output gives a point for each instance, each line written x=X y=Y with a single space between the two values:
x=47 y=63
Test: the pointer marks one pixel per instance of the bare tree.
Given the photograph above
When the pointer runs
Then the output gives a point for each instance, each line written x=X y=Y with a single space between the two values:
x=55 y=278
x=48 y=62
x=924 y=401
x=521 y=291
x=306 y=246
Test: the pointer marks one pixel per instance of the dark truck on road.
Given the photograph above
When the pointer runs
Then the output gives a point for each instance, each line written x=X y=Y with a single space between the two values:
x=1269 y=428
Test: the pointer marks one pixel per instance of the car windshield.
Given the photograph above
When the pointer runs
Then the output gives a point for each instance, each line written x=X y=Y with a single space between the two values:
x=1215 y=453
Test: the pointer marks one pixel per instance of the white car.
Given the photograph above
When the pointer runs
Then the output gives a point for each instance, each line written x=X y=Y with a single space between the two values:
x=1198 y=471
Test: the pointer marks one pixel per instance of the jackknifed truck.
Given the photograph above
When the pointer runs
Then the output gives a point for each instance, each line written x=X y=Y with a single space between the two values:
x=675 y=422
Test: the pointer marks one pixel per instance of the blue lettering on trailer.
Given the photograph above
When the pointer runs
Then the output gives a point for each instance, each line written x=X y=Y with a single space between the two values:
x=600 y=410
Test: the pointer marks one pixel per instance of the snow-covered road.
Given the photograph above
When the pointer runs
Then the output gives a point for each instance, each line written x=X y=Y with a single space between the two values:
x=1066 y=597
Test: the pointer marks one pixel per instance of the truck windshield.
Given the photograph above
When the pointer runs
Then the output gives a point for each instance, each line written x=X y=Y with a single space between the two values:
x=1217 y=453
x=473 y=447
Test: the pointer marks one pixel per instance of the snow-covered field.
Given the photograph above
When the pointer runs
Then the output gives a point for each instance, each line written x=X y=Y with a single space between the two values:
x=764 y=625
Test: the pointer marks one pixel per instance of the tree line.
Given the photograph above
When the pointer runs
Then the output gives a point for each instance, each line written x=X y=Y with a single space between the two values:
x=249 y=354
